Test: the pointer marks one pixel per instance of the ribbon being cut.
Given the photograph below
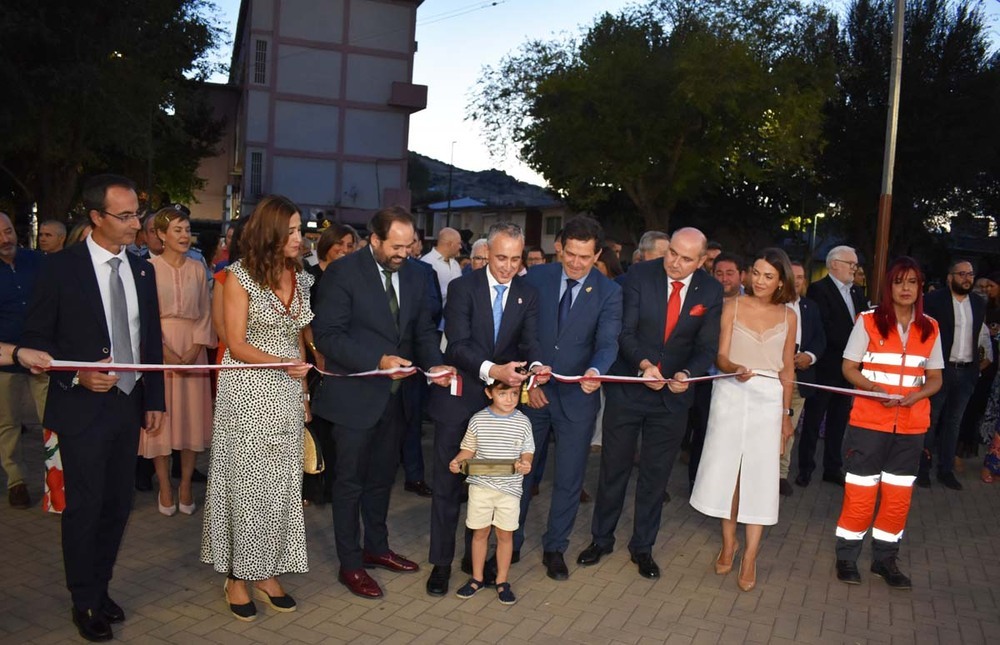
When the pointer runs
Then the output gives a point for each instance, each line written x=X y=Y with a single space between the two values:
x=456 y=381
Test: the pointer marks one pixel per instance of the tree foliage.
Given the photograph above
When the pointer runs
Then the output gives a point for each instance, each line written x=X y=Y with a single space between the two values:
x=948 y=141
x=663 y=100
x=99 y=86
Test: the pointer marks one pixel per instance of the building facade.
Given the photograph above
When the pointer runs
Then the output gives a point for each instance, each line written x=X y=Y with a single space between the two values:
x=325 y=93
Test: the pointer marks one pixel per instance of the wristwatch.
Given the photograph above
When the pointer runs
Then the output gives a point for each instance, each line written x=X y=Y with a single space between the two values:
x=789 y=412
x=76 y=380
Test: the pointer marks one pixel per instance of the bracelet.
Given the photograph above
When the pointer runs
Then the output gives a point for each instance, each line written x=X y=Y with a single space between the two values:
x=312 y=346
x=13 y=355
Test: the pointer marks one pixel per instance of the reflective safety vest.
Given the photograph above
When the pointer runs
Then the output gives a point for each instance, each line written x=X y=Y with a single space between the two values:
x=897 y=369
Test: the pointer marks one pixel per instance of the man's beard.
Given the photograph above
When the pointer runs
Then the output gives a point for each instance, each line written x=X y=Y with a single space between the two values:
x=959 y=290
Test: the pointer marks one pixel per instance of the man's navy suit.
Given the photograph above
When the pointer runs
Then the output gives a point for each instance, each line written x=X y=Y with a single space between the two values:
x=587 y=339
x=813 y=341
x=468 y=319
x=98 y=431
x=837 y=325
x=660 y=416
x=958 y=380
x=353 y=329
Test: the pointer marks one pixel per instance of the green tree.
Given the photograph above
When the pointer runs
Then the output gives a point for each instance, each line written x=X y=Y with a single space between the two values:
x=948 y=143
x=664 y=101
x=104 y=85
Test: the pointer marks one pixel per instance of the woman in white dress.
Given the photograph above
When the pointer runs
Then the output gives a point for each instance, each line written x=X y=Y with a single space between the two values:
x=738 y=476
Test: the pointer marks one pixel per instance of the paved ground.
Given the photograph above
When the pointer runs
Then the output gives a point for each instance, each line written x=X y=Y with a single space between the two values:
x=952 y=552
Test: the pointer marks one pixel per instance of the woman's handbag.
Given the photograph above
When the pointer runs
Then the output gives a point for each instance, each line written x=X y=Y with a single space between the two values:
x=312 y=455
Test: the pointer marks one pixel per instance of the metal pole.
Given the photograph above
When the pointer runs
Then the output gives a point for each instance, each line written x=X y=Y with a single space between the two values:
x=889 y=160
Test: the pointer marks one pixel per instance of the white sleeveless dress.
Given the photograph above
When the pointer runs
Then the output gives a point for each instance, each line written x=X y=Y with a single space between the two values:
x=744 y=432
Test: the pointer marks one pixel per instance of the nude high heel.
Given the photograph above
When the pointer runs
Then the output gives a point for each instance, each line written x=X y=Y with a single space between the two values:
x=721 y=567
x=748 y=583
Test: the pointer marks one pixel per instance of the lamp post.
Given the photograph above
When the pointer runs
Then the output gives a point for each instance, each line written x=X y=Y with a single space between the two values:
x=451 y=169
x=812 y=244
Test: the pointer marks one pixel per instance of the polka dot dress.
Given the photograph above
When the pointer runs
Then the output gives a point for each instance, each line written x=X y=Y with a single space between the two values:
x=253 y=525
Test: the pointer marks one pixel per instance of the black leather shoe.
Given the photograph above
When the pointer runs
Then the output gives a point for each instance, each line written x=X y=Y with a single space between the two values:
x=784 y=488
x=92 y=626
x=647 y=567
x=834 y=478
x=847 y=572
x=950 y=481
x=555 y=565
x=420 y=488
x=923 y=480
x=515 y=557
x=437 y=583
x=802 y=480
x=490 y=571
x=889 y=571
x=112 y=611
x=592 y=554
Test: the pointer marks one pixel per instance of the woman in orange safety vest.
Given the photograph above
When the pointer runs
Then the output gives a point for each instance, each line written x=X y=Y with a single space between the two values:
x=894 y=349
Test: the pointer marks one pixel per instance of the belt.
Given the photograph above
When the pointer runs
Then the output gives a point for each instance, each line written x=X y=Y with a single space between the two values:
x=960 y=365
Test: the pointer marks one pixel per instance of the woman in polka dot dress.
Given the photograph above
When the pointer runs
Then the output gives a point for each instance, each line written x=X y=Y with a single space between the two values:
x=254 y=529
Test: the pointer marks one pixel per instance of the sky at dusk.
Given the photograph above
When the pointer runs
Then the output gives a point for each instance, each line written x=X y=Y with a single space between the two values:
x=458 y=38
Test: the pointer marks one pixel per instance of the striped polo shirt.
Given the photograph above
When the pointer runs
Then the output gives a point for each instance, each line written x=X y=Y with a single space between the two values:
x=491 y=436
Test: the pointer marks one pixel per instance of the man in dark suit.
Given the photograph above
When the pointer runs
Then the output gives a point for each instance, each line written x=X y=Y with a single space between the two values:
x=415 y=390
x=372 y=313
x=579 y=320
x=960 y=322
x=839 y=302
x=491 y=323
x=670 y=327
x=96 y=302
x=810 y=343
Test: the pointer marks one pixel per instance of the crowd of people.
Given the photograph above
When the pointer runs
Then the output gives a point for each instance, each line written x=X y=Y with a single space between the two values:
x=779 y=354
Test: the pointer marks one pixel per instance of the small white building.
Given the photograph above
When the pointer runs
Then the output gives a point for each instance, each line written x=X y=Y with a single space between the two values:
x=325 y=94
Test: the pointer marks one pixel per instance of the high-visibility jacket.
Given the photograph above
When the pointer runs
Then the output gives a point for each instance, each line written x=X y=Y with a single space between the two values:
x=897 y=369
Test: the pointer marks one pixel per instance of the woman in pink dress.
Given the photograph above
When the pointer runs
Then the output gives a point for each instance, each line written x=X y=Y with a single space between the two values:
x=185 y=317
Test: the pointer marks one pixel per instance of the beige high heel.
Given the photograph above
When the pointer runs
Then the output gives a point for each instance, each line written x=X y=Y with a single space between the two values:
x=722 y=568
x=746 y=584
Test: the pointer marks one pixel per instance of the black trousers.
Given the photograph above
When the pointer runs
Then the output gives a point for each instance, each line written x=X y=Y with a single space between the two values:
x=662 y=432
x=447 y=486
x=99 y=470
x=837 y=410
x=698 y=422
x=364 y=471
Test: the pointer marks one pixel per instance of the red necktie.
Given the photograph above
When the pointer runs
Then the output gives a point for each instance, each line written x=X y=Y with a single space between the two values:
x=673 y=308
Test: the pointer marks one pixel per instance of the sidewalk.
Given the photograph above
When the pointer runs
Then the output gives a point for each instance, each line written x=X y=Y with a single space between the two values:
x=951 y=551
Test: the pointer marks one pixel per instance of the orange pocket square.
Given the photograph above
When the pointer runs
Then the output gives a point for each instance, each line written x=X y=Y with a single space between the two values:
x=698 y=310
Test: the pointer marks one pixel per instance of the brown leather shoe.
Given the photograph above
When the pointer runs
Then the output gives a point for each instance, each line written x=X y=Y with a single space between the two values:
x=359 y=583
x=391 y=561
x=18 y=496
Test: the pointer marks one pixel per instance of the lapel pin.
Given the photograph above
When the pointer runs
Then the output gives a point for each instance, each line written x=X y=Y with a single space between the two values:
x=589 y=289
x=142 y=273
x=519 y=301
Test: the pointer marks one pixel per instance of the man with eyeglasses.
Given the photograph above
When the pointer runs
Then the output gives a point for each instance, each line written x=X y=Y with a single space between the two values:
x=479 y=256
x=967 y=351
x=839 y=302
x=97 y=302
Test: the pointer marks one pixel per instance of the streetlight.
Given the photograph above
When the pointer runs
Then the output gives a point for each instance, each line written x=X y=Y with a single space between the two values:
x=451 y=168
x=812 y=244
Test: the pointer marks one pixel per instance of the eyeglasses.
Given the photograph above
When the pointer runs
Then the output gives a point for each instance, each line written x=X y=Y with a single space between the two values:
x=853 y=265
x=963 y=274
x=125 y=217
x=479 y=258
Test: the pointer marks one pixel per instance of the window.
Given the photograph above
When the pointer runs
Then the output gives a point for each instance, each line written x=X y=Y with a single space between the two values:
x=256 y=173
x=552 y=225
x=260 y=63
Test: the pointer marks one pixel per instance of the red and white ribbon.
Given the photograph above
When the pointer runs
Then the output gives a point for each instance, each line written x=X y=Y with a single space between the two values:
x=84 y=366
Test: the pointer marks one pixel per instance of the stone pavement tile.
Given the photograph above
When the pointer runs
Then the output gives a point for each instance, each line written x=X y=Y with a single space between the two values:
x=705 y=637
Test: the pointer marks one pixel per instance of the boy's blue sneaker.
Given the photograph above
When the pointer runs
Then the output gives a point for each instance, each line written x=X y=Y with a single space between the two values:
x=469 y=589
x=504 y=593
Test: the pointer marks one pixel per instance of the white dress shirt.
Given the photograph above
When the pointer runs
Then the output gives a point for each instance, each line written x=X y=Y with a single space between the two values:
x=961 y=347
x=447 y=270
x=100 y=257
x=845 y=292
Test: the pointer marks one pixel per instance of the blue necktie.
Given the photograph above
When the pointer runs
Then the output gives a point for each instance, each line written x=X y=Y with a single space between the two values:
x=498 y=310
x=566 y=302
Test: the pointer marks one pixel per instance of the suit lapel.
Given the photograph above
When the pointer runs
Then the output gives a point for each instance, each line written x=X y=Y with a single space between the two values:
x=90 y=289
x=511 y=312
x=372 y=273
x=139 y=277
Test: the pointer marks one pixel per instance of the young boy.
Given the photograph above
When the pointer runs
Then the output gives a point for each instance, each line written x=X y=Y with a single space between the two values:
x=499 y=431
